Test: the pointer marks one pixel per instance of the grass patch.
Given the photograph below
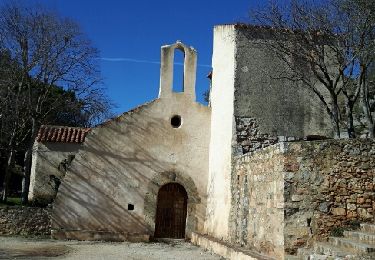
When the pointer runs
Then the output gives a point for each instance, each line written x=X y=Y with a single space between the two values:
x=337 y=232
x=11 y=202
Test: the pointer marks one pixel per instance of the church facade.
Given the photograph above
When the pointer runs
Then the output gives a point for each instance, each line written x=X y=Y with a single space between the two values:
x=229 y=172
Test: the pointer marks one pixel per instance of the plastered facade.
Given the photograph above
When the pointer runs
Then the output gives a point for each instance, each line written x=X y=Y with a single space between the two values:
x=47 y=170
x=280 y=106
x=222 y=93
x=126 y=160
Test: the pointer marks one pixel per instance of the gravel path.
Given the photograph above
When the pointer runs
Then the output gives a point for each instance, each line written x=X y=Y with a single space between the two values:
x=27 y=248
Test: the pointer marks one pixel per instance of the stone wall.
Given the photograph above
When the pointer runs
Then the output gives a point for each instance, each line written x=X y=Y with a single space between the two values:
x=263 y=92
x=249 y=137
x=328 y=185
x=25 y=221
x=251 y=108
x=221 y=133
x=257 y=211
x=290 y=194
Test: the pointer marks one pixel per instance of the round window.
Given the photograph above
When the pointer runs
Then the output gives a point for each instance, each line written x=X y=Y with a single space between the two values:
x=176 y=121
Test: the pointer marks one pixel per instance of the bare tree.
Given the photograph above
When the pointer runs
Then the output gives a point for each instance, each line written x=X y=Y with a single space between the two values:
x=50 y=52
x=355 y=28
x=13 y=115
x=328 y=48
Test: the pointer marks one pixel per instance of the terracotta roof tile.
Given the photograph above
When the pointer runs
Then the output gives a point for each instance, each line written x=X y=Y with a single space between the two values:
x=62 y=134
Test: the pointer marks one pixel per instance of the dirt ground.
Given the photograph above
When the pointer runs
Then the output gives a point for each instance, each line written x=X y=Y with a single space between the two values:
x=29 y=248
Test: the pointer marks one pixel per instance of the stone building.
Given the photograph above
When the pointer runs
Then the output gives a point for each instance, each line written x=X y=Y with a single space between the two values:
x=55 y=147
x=234 y=176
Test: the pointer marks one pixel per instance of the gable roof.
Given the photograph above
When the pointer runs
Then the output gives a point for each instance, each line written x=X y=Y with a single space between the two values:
x=62 y=134
x=121 y=116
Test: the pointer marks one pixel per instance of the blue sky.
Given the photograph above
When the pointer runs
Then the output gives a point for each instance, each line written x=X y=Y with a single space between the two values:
x=129 y=33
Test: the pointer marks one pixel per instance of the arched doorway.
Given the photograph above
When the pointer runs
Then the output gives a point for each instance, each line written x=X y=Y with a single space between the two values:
x=171 y=211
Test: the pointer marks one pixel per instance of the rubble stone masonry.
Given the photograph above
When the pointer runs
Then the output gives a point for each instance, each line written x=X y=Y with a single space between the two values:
x=25 y=221
x=249 y=137
x=301 y=191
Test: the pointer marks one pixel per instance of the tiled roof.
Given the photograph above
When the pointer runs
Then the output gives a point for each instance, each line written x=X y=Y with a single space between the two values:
x=62 y=134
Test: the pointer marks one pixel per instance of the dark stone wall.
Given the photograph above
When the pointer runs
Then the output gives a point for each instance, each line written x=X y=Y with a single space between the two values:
x=249 y=137
x=279 y=106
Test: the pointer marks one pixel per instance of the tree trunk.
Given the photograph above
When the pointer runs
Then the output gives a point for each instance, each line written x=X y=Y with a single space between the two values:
x=8 y=166
x=335 y=116
x=367 y=110
x=350 y=120
x=372 y=131
x=8 y=175
x=26 y=176
x=370 y=126
x=27 y=163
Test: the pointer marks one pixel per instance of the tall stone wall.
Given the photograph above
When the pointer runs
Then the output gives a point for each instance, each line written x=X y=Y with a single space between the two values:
x=221 y=133
x=251 y=108
x=290 y=194
x=262 y=92
x=257 y=211
x=25 y=221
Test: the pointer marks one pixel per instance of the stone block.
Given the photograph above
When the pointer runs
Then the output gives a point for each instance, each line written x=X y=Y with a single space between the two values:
x=339 y=211
x=352 y=214
x=324 y=207
x=291 y=167
x=351 y=206
x=298 y=231
x=363 y=213
x=297 y=198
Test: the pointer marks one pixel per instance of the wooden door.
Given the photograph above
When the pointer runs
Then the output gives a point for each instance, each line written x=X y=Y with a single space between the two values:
x=171 y=211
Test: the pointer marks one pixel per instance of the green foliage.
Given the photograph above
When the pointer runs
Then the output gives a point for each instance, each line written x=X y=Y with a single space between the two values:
x=337 y=232
x=11 y=201
x=353 y=225
x=350 y=225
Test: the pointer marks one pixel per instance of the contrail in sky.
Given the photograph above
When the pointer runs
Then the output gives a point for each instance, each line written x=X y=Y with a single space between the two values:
x=145 y=61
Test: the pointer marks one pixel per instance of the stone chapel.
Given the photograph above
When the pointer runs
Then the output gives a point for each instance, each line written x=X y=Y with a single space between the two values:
x=239 y=173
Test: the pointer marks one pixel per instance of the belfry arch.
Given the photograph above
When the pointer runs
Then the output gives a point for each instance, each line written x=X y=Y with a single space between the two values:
x=178 y=70
x=166 y=70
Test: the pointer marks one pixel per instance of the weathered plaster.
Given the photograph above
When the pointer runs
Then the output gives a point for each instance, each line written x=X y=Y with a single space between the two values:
x=218 y=189
x=280 y=106
x=125 y=160
x=46 y=170
x=166 y=70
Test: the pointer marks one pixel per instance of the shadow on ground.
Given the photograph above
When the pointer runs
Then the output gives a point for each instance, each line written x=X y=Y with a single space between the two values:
x=35 y=251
